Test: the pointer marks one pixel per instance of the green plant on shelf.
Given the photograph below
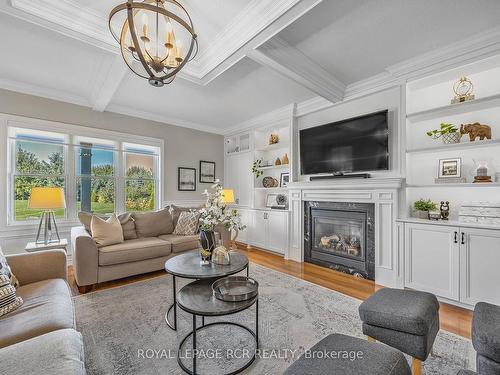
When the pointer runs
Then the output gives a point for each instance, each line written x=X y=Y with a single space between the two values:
x=256 y=168
x=444 y=128
x=424 y=205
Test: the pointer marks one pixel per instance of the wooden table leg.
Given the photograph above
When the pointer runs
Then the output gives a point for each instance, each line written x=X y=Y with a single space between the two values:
x=416 y=366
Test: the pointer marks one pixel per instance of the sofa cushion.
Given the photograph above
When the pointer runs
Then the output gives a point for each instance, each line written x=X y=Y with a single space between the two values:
x=56 y=353
x=486 y=330
x=133 y=250
x=47 y=307
x=181 y=243
x=188 y=224
x=5 y=269
x=401 y=310
x=106 y=232
x=177 y=210
x=126 y=220
x=153 y=224
x=9 y=301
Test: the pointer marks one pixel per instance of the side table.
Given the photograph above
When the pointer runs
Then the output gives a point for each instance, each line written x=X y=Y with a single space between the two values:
x=32 y=247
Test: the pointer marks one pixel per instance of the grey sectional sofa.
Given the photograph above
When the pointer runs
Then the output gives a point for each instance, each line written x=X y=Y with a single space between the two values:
x=40 y=336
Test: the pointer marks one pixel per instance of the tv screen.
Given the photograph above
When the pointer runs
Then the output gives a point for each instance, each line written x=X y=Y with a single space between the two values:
x=353 y=145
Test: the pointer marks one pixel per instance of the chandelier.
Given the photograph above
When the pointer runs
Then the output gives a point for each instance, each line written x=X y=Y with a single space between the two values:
x=156 y=38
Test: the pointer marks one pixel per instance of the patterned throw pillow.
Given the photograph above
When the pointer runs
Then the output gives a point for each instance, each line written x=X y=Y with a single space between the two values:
x=8 y=299
x=5 y=270
x=187 y=225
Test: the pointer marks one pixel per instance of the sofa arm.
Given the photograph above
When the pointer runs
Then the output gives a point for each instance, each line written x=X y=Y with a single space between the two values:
x=85 y=257
x=43 y=265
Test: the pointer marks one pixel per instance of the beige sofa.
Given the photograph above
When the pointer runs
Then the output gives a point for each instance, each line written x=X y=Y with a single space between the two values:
x=40 y=336
x=155 y=243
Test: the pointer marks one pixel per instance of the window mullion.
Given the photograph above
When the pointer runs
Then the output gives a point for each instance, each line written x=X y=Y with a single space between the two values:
x=120 y=180
x=71 y=185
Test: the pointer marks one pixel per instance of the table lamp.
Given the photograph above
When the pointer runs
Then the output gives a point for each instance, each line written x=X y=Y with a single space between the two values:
x=228 y=196
x=47 y=199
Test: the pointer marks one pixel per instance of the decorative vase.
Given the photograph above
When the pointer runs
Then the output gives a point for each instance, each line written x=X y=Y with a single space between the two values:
x=422 y=215
x=285 y=159
x=449 y=138
x=207 y=240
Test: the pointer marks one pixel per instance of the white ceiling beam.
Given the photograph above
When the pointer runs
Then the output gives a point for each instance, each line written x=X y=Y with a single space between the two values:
x=107 y=80
x=277 y=54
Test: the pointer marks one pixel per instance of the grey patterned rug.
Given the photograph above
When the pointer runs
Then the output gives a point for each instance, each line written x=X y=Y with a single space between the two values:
x=124 y=331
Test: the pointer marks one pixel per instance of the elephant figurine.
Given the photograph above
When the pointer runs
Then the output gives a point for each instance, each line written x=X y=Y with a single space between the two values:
x=476 y=130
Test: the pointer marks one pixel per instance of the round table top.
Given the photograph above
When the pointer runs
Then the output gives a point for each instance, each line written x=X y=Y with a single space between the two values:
x=187 y=265
x=197 y=298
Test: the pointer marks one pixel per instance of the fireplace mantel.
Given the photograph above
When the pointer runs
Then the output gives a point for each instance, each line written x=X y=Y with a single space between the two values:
x=383 y=192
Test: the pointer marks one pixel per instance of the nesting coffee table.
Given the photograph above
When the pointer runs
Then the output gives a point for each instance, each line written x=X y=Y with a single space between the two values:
x=187 y=265
x=197 y=299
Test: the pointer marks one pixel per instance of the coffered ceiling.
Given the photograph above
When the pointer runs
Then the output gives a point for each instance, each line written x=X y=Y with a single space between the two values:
x=255 y=56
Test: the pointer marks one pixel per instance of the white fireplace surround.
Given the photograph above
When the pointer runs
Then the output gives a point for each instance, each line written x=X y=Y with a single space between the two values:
x=384 y=193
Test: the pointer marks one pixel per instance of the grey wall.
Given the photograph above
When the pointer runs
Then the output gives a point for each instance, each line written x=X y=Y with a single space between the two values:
x=183 y=147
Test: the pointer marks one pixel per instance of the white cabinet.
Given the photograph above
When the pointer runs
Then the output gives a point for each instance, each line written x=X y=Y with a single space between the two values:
x=238 y=176
x=479 y=266
x=454 y=262
x=245 y=219
x=269 y=230
x=432 y=259
x=237 y=143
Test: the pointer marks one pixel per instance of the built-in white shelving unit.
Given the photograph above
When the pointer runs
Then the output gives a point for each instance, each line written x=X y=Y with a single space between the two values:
x=428 y=105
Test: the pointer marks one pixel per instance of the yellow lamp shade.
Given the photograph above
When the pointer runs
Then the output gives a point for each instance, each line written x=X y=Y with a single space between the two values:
x=228 y=195
x=47 y=198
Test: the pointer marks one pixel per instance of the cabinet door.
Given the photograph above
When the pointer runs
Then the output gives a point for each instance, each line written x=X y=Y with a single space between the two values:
x=245 y=219
x=258 y=231
x=479 y=262
x=432 y=259
x=231 y=173
x=245 y=179
x=277 y=232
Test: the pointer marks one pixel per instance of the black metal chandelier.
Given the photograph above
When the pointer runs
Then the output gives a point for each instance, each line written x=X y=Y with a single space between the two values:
x=153 y=35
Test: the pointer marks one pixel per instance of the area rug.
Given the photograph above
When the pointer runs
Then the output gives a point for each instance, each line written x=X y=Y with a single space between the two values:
x=124 y=330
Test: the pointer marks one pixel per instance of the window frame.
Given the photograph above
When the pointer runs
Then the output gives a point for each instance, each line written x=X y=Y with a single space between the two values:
x=71 y=134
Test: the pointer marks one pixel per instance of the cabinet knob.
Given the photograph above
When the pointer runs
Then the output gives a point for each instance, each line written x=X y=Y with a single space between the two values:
x=456 y=237
x=463 y=238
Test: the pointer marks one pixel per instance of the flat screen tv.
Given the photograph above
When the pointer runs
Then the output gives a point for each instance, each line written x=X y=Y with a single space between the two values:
x=359 y=144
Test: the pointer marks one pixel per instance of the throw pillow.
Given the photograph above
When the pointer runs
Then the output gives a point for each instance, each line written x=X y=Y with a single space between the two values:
x=106 y=232
x=153 y=224
x=128 y=226
x=177 y=210
x=187 y=225
x=5 y=270
x=8 y=298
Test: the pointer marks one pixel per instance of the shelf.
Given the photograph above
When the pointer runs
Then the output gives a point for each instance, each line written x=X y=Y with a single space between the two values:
x=456 y=146
x=455 y=109
x=449 y=223
x=282 y=166
x=467 y=184
x=277 y=146
x=268 y=189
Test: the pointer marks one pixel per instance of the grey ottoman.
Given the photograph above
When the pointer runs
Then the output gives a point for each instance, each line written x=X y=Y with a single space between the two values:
x=374 y=359
x=486 y=338
x=407 y=320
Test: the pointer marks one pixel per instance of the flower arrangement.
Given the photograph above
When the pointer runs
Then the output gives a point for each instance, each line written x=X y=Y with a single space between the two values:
x=216 y=212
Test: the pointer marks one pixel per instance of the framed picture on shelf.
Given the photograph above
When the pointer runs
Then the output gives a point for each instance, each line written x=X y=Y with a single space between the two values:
x=450 y=168
x=276 y=201
x=186 y=179
x=207 y=172
x=284 y=179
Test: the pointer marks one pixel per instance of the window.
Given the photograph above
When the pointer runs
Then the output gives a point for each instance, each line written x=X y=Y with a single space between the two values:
x=38 y=162
x=99 y=175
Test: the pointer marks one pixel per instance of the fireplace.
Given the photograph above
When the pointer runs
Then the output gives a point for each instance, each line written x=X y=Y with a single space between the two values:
x=341 y=236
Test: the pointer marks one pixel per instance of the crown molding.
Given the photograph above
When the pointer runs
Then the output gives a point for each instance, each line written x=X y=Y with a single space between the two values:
x=277 y=54
x=273 y=118
x=125 y=110
x=44 y=92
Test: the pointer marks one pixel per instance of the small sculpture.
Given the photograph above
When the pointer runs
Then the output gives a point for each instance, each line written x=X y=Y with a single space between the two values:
x=277 y=162
x=476 y=130
x=285 y=160
x=221 y=256
x=274 y=139
x=445 y=210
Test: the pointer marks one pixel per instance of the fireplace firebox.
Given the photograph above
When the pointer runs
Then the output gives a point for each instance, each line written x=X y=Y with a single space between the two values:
x=341 y=236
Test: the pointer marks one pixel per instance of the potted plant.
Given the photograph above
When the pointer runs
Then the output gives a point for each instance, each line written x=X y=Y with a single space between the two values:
x=447 y=132
x=422 y=208
x=257 y=164
x=216 y=214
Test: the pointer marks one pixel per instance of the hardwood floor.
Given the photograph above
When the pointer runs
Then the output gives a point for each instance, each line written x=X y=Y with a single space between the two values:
x=453 y=319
